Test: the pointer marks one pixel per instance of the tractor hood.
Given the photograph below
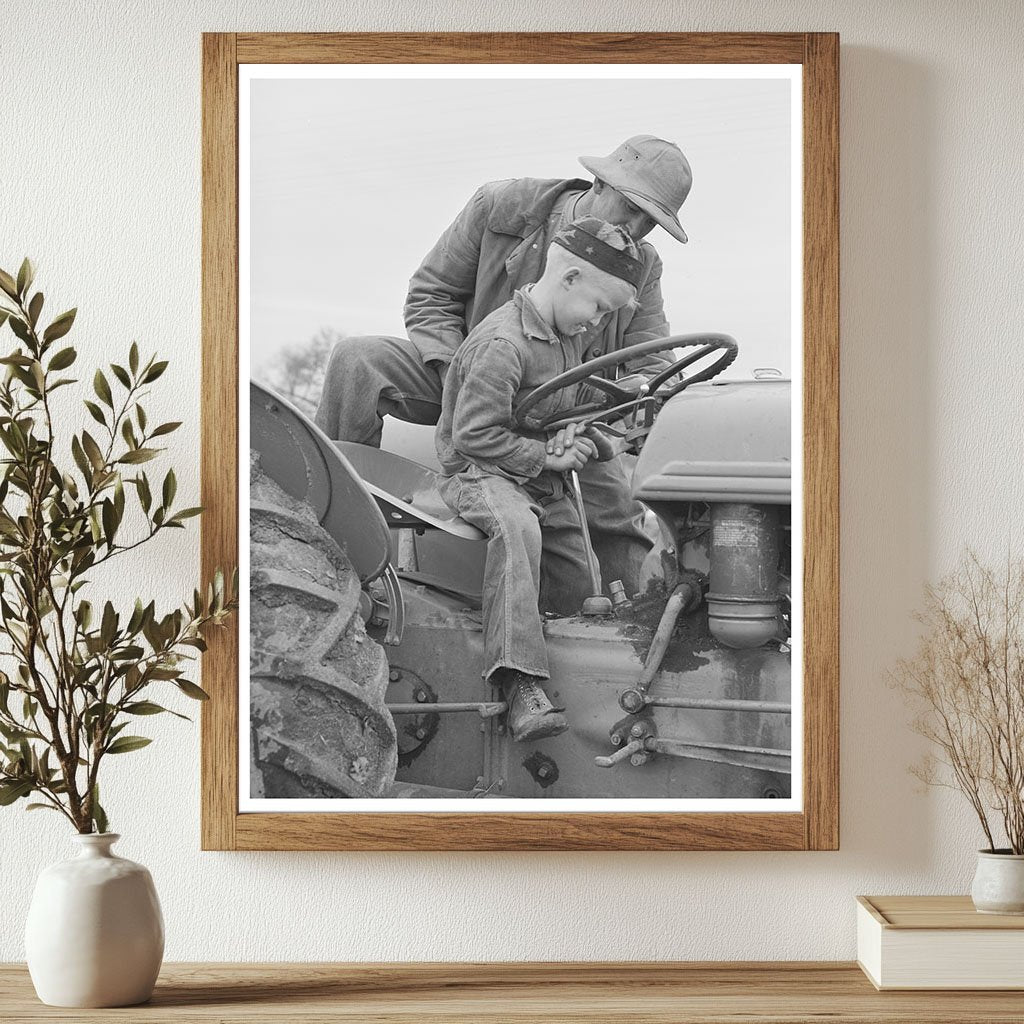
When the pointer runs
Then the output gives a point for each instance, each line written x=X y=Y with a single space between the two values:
x=722 y=441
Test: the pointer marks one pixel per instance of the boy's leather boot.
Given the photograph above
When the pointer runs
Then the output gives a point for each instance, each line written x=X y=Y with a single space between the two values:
x=531 y=716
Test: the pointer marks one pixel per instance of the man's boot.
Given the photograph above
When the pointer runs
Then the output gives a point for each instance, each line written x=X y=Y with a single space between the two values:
x=531 y=716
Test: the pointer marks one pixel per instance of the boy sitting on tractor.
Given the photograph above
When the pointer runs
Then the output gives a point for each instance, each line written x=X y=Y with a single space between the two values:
x=510 y=481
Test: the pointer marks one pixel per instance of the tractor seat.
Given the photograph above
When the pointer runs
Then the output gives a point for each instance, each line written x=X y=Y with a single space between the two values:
x=405 y=491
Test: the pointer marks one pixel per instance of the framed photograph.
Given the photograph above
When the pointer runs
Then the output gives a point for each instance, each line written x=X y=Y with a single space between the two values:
x=520 y=420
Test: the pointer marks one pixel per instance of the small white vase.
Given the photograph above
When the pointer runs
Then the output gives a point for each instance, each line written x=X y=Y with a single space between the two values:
x=95 y=934
x=999 y=883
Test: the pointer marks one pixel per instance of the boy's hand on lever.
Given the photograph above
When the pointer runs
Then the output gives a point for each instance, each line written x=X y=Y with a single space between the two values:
x=583 y=438
x=569 y=449
x=572 y=458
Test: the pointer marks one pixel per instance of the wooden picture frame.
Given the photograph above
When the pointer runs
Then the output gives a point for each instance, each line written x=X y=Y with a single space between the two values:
x=816 y=827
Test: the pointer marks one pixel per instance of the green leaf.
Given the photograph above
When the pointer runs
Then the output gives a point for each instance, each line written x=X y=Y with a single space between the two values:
x=102 y=388
x=34 y=308
x=63 y=359
x=92 y=449
x=121 y=374
x=140 y=415
x=170 y=487
x=128 y=433
x=95 y=412
x=143 y=707
x=83 y=613
x=60 y=326
x=99 y=816
x=108 y=626
x=185 y=513
x=20 y=329
x=154 y=371
x=8 y=284
x=42 y=807
x=12 y=733
x=145 y=497
x=166 y=428
x=26 y=274
x=191 y=690
x=125 y=744
x=109 y=518
x=11 y=791
x=80 y=458
x=16 y=359
x=147 y=707
x=132 y=679
x=133 y=358
x=130 y=653
x=139 y=455
x=137 y=616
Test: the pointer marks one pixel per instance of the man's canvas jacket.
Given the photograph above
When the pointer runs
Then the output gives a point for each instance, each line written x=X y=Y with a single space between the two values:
x=495 y=246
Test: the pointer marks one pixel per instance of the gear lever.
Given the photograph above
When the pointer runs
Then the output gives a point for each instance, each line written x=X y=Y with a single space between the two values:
x=597 y=603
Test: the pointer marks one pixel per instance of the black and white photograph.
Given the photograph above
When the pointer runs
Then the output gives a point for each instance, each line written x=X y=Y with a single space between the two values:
x=523 y=419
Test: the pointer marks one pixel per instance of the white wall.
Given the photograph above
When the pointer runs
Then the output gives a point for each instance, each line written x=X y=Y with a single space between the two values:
x=99 y=181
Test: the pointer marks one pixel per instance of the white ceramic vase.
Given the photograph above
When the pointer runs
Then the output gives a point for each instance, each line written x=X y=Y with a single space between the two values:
x=95 y=934
x=999 y=883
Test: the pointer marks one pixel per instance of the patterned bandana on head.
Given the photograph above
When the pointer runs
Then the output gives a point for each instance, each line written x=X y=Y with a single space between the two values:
x=579 y=239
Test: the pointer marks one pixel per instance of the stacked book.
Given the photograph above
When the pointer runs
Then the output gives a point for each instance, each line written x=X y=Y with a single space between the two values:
x=938 y=942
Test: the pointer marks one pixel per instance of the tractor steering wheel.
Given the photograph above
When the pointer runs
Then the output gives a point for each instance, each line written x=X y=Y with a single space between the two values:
x=620 y=403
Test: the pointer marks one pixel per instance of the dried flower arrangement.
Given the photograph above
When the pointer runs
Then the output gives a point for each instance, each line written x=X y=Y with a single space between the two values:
x=967 y=682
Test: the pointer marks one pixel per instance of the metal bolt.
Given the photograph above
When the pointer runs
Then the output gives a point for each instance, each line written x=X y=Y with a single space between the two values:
x=616 y=739
x=394 y=675
x=421 y=695
x=501 y=730
x=421 y=734
x=543 y=771
x=637 y=730
x=638 y=759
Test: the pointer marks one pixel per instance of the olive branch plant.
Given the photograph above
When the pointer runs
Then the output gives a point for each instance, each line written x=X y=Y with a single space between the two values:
x=80 y=673
x=966 y=681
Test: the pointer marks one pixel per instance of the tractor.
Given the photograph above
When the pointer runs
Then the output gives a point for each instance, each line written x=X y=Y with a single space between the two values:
x=365 y=595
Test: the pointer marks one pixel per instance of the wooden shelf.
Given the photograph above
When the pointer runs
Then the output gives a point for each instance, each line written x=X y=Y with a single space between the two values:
x=641 y=993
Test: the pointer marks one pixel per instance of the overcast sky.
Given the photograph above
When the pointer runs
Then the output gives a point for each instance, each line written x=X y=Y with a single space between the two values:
x=352 y=181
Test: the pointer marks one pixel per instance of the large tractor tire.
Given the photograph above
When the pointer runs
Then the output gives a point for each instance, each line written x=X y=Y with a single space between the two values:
x=320 y=728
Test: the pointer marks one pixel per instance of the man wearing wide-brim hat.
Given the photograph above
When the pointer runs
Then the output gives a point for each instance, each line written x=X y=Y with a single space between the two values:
x=495 y=246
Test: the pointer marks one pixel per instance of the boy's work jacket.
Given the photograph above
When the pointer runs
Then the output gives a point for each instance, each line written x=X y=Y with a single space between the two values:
x=496 y=245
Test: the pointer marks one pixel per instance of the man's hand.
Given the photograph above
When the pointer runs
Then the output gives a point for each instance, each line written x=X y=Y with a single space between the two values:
x=605 y=447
